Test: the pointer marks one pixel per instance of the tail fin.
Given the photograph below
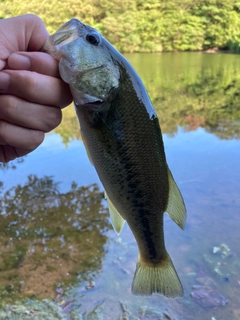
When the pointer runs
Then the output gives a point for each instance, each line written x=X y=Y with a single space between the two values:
x=161 y=278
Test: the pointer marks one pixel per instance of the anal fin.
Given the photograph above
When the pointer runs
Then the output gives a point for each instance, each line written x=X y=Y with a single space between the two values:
x=176 y=208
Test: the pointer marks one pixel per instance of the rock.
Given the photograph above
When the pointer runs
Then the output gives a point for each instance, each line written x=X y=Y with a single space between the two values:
x=206 y=297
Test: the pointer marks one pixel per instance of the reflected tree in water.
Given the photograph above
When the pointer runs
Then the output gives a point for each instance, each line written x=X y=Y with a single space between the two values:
x=218 y=104
x=69 y=128
x=48 y=237
x=194 y=90
x=11 y=164
x=188 y=90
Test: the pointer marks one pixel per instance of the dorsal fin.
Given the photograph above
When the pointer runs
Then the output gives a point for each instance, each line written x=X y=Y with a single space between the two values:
x=116 y=218
x=176 y=208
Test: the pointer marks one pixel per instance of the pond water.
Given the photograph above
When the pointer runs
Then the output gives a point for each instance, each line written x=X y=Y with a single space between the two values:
x=56 y=240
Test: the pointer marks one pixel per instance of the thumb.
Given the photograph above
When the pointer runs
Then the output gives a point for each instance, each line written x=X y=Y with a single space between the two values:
x=35 y=32
x=22 y=33
x=38 y=35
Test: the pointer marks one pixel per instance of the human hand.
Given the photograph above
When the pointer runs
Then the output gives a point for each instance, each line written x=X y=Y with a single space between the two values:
x=31 y=91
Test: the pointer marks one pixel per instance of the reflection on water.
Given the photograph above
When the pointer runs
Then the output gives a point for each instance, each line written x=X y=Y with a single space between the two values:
x=187 y=89
x=45 y=233
x=55 y=233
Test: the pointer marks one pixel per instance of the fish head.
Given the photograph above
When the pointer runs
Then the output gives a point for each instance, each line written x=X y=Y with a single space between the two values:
x=85 y=63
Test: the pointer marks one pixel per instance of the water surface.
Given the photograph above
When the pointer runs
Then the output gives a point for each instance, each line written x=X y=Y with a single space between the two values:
x=55 y=232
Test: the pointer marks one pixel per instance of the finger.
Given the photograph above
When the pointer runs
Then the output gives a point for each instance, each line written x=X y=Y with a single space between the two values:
x=8 y=153
x=35 y=87
x=19 y=137
x=29 y=30
x=22 y=33
x=39 y=62
x=38 y=35
x=28 y=114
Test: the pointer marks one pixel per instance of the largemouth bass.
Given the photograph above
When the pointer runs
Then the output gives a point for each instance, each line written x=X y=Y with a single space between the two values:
x=122 y=135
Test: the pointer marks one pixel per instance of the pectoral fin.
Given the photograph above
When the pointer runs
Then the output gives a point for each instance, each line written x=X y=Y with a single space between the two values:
x=116 y=218
x=176 y=208
x=86 y=147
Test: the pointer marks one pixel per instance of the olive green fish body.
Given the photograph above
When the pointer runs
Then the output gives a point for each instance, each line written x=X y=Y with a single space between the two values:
x=121 y=132
x=127 y=151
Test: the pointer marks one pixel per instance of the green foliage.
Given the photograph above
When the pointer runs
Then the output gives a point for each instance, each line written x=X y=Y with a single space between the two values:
x=144 y=26
x=69 y=128
x=121 y=31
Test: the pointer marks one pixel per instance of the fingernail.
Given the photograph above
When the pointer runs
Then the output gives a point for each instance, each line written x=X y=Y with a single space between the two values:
x=19 y=61
x=4 y=81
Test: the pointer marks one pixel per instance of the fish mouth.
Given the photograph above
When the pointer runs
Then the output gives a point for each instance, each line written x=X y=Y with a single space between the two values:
x=57 y=40
x=69 y=32
x=66 y=33
x=63 y=37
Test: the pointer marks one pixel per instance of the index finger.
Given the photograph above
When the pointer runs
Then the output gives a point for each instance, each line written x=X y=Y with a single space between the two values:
x=22 y=33
x=39 y=62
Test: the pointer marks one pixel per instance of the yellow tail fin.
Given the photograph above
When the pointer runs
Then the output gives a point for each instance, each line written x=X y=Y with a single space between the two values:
x=163 y=279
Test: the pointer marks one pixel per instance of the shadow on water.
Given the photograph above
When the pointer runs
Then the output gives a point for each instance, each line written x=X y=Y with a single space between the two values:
x=55 y=237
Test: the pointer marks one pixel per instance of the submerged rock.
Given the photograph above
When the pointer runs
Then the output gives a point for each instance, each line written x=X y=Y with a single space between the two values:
x=35 y=310
x=207 y=297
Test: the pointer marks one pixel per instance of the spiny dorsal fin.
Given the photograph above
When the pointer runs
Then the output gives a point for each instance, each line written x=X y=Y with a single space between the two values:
x=116 y=218
x=176 y=208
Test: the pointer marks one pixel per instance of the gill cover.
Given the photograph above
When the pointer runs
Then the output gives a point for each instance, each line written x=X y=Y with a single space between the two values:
x=85 y=64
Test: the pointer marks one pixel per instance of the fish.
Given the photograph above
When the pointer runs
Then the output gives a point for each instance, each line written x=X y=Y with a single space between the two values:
x=122 y=135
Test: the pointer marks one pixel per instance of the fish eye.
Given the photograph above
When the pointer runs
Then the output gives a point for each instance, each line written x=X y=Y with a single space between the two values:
x=93 y=38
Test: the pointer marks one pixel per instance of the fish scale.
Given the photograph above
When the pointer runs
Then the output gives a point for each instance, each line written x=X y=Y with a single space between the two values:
x=141 y=165
x=122 y=135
